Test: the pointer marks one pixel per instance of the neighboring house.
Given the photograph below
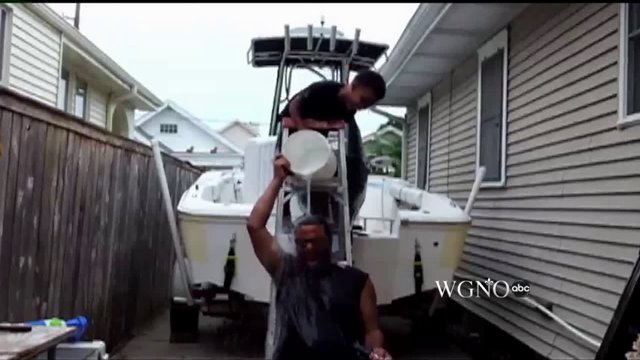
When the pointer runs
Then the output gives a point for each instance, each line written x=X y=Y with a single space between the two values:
x=189 y=138
x=239 y=132
x=389 y=135
x=545 y=96
x=45 y=58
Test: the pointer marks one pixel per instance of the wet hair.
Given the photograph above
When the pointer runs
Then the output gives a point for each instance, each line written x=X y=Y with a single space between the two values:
x=372 y=80
x=313 y=220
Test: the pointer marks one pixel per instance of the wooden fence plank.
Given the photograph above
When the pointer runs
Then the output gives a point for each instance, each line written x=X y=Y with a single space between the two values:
x=64 y=204
x=129 y=256
x=5 y=147
x=99 y=278
x=32 y=225
x=50 y=218
x=93 y=238
x=12 y=152
x=115 y=218
x=68 y=290
x=19 y=252
x=84 y=233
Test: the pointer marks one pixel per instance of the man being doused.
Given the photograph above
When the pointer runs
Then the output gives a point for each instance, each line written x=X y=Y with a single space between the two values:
x=322 y=309
x=325 y=102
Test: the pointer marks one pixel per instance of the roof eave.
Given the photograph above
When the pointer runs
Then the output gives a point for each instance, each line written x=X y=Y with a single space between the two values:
x=50 y=16
x=420 y=60
x=416 y=30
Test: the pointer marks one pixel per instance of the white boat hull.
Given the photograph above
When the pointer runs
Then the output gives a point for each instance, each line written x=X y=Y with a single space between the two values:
x=211 y=213
x=207 y=241
x=388 y=260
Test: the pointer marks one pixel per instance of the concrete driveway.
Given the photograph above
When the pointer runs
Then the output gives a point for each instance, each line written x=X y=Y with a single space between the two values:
x=222 y=340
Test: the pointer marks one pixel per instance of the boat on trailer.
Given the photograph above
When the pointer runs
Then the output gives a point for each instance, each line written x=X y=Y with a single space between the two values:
x=404 y=237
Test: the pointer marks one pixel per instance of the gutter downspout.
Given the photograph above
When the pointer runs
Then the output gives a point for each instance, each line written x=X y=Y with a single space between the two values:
x=113 y=103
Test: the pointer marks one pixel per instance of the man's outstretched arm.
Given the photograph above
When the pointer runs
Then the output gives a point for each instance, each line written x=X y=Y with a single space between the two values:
x=264 y=244
x=374 y=338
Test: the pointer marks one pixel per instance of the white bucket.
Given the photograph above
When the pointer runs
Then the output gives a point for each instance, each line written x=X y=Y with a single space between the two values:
x=310 y=155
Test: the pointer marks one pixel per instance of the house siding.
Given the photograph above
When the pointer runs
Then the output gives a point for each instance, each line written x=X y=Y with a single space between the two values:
x=237 y=135
x=568 y=218
x=98 y=106
x=452 y=153
x=35 y=56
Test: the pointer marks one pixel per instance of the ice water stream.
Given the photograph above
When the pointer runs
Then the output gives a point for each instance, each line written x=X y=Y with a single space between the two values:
x=308 y=180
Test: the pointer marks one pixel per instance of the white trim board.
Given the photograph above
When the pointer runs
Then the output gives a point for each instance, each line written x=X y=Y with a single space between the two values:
x=6 y=46
x=426 y=100
x=624 y=120
x=499 y=41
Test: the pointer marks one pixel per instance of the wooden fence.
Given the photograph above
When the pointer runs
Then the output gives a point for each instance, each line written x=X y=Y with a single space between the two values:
x=82 y=225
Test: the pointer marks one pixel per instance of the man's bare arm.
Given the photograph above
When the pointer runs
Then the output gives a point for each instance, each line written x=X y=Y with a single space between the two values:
x=264 y=244
x=369 y=309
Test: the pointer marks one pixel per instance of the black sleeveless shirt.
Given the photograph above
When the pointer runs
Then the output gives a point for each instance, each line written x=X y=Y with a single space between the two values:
x=318 y=312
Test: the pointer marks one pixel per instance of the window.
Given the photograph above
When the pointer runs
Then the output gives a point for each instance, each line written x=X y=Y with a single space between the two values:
x=492 y=109
x=80 y=105
x=422 y=148
x=63 y=90
x=169 y=128
x=629 y=79
x=5 y=41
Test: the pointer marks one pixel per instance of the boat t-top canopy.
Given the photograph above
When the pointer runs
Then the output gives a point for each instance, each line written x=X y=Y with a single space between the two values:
x=319 y=47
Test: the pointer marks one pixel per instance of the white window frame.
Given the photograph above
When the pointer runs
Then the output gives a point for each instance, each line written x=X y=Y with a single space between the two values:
x=624 y=119
x=60 y=101
x=63 y=93
x=499 y=41
x=85 y=104
x=422 y=102
x=405 y=146
x=168 y=126
x=6 y=46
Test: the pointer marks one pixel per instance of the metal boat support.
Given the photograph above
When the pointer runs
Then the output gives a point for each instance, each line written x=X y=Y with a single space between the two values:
x=171 y=218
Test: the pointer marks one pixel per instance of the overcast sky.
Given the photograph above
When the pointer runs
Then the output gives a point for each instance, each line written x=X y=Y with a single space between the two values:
x=195 y=54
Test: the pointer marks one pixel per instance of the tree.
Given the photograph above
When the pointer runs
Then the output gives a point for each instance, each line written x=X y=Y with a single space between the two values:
x=389 y=147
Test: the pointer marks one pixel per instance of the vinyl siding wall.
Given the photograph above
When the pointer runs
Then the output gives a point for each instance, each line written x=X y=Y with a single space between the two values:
x=35 y=56
x=568 y=218
x=98 y=106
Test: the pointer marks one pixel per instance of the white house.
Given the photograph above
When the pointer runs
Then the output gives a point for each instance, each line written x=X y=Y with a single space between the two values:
x=189 y=138
x=45 y=58
x=545 y=97
x=387 y=135
x=239 y=132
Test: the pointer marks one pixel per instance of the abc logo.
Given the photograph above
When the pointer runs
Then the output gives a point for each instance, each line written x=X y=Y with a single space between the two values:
x=520 y=288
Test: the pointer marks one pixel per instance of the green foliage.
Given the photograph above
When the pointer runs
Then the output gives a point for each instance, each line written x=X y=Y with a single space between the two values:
x=391 y=147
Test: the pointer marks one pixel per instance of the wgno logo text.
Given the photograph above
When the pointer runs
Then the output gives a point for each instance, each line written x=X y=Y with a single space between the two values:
x=489 y=288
